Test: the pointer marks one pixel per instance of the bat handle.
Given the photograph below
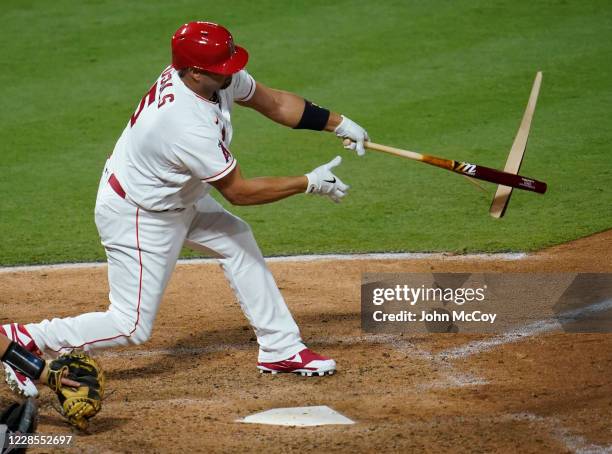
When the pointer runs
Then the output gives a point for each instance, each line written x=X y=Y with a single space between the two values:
x=366 y=144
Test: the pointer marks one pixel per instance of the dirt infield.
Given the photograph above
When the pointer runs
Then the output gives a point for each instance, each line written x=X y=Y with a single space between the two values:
x=183 y=390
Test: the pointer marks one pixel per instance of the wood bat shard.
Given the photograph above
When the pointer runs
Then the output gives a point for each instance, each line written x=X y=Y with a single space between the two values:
x=515 y=157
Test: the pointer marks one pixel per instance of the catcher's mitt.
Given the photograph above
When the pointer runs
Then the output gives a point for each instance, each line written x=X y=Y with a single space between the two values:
x=80 y=404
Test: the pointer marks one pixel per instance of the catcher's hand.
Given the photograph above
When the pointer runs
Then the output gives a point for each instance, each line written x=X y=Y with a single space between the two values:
x=78 y=404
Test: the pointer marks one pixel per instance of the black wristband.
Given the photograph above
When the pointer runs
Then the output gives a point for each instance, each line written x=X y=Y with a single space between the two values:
x=24 y=361
x=314 y=117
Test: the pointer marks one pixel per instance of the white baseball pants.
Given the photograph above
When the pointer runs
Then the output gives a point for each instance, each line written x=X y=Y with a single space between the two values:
x=142 y=248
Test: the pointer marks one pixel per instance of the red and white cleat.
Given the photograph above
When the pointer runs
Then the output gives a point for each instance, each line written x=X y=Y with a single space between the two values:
x=19 y=383
x=306 y=363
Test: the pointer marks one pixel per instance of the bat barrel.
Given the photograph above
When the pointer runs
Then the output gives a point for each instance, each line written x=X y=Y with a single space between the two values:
x=499 y=177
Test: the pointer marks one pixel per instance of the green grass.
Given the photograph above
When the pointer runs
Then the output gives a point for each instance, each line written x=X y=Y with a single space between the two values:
x=450 y=78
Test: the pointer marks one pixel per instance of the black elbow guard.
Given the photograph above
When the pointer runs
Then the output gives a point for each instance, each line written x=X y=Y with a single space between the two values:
x=24 y=361
x=314 y=117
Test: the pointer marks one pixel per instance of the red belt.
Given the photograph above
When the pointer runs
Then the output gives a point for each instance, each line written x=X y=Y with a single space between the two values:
x=114 y=183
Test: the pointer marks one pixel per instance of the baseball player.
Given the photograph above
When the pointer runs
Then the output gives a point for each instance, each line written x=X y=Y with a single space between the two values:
x=153 y=198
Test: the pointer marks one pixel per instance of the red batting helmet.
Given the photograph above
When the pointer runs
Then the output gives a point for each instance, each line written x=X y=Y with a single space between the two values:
x=207 y=46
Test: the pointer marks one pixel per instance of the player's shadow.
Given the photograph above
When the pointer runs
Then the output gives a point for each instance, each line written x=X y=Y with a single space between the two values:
x=188 y=348
x=98 y=425
x=575 y=309
x=214 y=343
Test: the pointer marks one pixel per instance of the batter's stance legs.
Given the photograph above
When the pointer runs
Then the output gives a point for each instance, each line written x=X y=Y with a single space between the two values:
x=142 y=249
x=230 y=239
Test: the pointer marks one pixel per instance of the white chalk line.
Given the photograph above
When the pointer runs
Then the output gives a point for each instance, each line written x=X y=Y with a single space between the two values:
x=523 y=332
x=297 y=258
x=449 y=376
x=551 y=425
x=403 y=345
x=574 y=443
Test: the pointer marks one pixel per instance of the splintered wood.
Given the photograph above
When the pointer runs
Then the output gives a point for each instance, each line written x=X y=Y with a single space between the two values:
x=515 y=158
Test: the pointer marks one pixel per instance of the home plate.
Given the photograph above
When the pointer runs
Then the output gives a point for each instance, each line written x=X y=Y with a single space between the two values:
x=298 y=416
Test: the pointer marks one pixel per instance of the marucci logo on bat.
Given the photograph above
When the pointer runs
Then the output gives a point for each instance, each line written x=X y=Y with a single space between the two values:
x=527 y=183
x=465 y=167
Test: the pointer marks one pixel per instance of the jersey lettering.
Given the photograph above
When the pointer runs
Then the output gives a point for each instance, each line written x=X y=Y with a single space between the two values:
x=165 y=82
x=166 y=98
x=165 y=78
x=149 y=98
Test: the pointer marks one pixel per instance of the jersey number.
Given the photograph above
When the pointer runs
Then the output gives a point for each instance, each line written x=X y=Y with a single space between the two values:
x=149 y=98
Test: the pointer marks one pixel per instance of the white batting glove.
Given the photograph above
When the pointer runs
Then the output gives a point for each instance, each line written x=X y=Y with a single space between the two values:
x=322 y=181
x=348 y=129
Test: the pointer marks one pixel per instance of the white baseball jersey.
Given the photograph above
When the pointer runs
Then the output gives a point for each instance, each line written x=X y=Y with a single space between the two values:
x=176 y=142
